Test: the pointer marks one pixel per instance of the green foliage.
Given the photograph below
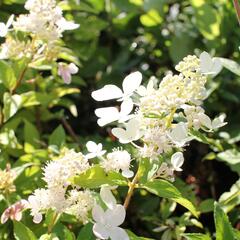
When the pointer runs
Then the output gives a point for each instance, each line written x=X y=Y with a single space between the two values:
x=224 y=229
x=196 y=236
x=165 y=189
x=22 y=232
x=96 y=177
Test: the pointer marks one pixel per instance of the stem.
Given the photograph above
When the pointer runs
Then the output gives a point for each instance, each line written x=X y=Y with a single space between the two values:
x=170 y=118
x=132 y=185
x=237 y=8
x=53 y=222
x=70 y=130
x=19 y=79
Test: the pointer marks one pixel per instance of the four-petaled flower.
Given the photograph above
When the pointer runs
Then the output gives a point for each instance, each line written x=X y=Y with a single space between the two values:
x=14 y=212
x=65 y=71
x=107 y=222
x=95 y=150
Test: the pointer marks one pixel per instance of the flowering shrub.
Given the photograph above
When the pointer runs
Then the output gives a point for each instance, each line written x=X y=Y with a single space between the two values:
x=54 y=185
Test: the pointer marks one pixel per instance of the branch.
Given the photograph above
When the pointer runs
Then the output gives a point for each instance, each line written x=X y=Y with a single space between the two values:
x=132 y=185
x=70 y=130
x=237 y=8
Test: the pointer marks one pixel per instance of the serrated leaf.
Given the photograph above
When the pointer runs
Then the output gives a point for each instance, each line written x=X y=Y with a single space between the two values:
x=224 y=228
x=165 y=189
x=96 y=176
x=196 y=236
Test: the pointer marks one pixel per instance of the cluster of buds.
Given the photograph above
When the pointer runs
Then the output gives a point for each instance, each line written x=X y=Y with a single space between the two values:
x=7 y=177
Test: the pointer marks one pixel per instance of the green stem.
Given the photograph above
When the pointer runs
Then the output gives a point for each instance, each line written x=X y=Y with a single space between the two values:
x=19 y=79
x=53 y=222
x=132 y=186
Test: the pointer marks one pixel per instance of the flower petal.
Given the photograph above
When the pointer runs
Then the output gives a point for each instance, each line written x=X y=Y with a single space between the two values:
x=37 y=218
x=98 y=214
x=115 y=216
x=91 y=146
x=108 y=197
x=100 y=231
x=117 y=233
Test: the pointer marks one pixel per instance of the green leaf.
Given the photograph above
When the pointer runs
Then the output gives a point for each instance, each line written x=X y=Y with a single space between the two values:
x=196 y=236
x=7 y=76
x=231 y=199
x=224 y=230
x=96 y=176
x=206 y=206
x=12 y=103
x=58 y=137
x=165 y=189
x=31 y=134
x=181 y=46
x=135 y=237
x=86 y=233
x=208 y=20
x=147 y=169
x=21 y=232
x=230 y=65
x=62 y=231
x=232 y=158
x=151 y=18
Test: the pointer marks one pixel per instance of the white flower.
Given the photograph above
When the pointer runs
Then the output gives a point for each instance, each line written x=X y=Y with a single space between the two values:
x=37 y=202
x=95 y=150
x=44 y=21
x=131 y=133
x=179 y=135
x=209 y=65
x=57 y=172
x=65 y=71
x=107 y=197
x=107 y=222
x=111 y=114
x=130 y=84
x=219 y=121
x=177 y=161
x=4 y=27
x=79 y=204
x=144 y=91
x=63 y=24
x=165 y=172
x=118 y=160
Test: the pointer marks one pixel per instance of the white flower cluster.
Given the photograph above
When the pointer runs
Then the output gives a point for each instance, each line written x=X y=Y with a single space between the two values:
x=165 y=115
x=44 y=20
x=56 y=196
x=42 y=27
x=117 y=160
